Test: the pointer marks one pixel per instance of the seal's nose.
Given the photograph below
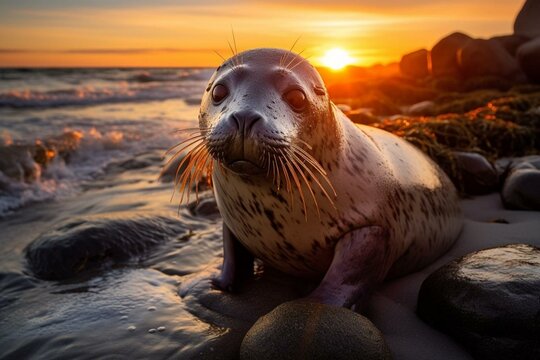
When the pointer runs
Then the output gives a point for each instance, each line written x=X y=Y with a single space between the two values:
x=245 y=120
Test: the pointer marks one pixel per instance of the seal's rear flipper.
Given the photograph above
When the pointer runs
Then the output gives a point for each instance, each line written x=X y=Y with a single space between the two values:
x=360 y=262
x=237 y=262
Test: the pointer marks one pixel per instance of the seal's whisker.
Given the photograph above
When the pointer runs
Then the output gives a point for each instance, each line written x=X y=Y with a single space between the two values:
x=176 y=180
x=285 y=56
x=193 y=174
x=177 y=153
x=218 y=54
x=310 y=160
x=190 y=129
x=305 y=144
x=312 y=175
x=186 y=160
x=191 y=138
x=307 y=156
x=296 y=181
x=295 y=58
x=188 y=173
x=278 y=173
x=287 y=181
x=308 y=185
x=301 y=61
x=199 y=170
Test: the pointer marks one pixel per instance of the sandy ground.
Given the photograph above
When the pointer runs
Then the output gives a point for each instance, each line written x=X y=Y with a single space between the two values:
x=392 y=308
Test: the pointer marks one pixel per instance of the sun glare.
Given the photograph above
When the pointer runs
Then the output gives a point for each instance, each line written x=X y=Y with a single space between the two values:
x=336 y=59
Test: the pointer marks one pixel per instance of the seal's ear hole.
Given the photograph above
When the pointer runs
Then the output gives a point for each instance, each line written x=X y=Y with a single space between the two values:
x=219 y=93
x=296 y=99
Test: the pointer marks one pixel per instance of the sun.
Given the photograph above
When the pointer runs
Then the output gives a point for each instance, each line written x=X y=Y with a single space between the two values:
x=336 y=59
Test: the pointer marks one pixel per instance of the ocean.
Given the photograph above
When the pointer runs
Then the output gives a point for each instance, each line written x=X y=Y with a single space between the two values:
x=81 y=152
x=114 y=114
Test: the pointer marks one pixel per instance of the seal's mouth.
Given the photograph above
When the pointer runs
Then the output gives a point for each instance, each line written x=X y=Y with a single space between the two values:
x=244 y=167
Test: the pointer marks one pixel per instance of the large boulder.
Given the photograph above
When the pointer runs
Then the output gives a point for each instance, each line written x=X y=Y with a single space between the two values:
x=479 y=57
x=528 y=20
x=511 y=42
x=415 y=64
x=88 y=244
x=303 y=330
x=488 y=300
x=444 y=54
x=528 y=56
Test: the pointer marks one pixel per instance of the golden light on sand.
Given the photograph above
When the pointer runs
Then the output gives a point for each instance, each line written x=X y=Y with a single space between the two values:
x=336 y=59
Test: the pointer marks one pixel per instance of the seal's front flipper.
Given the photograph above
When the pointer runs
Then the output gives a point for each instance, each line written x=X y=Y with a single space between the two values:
x=360 y=262
x=237 y=262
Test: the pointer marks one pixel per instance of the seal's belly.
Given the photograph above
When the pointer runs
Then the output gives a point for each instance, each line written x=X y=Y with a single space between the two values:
x=265 y=224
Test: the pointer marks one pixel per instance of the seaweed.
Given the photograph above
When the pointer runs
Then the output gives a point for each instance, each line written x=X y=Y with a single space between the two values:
x=505 y=127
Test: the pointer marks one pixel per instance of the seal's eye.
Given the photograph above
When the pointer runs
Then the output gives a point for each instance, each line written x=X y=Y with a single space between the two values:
x=296 y=99
x=219 y=93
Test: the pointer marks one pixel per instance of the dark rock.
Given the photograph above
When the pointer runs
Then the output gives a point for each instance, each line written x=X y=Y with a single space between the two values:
x=527 y=21
x=205 y=206
x=521 y=189
x=444 y=54
x=511 y=42
x=478 y=175
x=362 y=116
x=415 y=64
x=488 y=300
x=528 y=56
x=303 y=330
x=17 y=163
x=86 y=244
x=479 y=57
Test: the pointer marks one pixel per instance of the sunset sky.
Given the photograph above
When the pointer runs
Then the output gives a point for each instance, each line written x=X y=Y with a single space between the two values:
x=186 y=33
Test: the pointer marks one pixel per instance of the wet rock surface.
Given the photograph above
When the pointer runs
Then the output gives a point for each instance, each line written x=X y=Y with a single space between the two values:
x=478 y=175
x=521 y=190
x=85 y=244
x=489 y=301
x=303 y=330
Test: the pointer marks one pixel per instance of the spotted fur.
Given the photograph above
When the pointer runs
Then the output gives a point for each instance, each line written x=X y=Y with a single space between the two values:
x=379 y=179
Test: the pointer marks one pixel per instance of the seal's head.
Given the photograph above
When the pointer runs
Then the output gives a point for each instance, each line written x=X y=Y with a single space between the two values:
x=262 y=106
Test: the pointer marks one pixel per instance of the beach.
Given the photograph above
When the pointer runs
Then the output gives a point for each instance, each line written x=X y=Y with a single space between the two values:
x=111 y=129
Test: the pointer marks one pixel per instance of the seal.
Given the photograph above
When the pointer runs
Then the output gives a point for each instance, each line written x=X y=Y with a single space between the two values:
x=306 y=190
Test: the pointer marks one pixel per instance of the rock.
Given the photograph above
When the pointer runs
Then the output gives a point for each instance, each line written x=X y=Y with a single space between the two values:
x=362 y=116
x=415 y=64
x=17 y=163
x=303 y=330
x=479 y=57
x=478 y=176
x=86 y=244
x=488 y=300
x=511 y=42
x=444 y=54
x=521 y=189
x=423 y=108
x=527 y=21
x=528 y=56
x=206 y=206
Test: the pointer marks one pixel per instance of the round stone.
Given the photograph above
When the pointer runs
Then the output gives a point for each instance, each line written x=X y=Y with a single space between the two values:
x=304 y=330
x=488 y=300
